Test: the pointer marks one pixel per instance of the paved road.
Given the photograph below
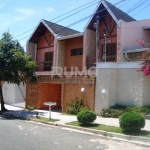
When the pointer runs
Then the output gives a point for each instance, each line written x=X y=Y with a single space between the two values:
x=25 y=135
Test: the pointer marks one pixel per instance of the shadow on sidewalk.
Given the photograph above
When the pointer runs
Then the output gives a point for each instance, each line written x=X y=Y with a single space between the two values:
x=20 y=114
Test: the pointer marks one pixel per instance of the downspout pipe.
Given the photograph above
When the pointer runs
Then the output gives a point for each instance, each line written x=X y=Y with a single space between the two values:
x=126 y=56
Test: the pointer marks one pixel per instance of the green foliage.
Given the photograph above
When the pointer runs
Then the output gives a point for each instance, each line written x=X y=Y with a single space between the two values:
x=30 y=107
x=119 y=107
x=15 y=66
x=117 y=110
x=86 y=117
x=144 y=109
x=131 y=121
x=75 y=106
x=111 y=113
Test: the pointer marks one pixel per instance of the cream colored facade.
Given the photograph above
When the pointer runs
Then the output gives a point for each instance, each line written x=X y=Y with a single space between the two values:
x=120 y=83
x=130 y=32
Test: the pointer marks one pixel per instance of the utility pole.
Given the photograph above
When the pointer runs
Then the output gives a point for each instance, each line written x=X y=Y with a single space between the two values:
x=97 y=39
x=104 y=44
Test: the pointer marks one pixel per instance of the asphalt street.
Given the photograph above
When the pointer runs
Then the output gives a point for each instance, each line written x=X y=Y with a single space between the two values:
x=27 y=135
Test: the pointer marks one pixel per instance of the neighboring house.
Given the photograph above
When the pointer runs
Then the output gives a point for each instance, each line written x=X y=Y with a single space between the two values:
x=52 y=46
x=118 y=82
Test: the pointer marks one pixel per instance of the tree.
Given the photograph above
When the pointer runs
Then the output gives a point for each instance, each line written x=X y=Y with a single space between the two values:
x=15 y=66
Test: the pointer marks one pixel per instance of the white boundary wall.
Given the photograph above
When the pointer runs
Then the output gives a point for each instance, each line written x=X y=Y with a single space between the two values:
x=12 y=94
x=120 y=83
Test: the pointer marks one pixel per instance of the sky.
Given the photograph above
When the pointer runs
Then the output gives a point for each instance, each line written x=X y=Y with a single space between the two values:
x=21 y=17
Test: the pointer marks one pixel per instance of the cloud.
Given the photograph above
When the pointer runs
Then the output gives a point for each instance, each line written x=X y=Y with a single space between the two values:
x=49 y=9
x=2 y=5
x=26 y=11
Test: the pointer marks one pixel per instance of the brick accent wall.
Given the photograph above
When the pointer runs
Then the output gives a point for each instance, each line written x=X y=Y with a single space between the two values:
x=71 y=91
x=110 y=37
x=48 y=93
x=31 y=94
x=61 y=92
x=73 y=61
x=43 y=47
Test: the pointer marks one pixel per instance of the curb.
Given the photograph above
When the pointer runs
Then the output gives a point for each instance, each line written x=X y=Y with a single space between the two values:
x=128 y=138
x=116 y=136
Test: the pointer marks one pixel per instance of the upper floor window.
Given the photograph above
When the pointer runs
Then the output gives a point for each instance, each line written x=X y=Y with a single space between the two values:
x=48 y=61
x=77 y=51
x=110 y=52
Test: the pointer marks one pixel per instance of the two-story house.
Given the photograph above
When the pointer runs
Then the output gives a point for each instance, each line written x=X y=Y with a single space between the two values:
x=55 y=47
x=64 y=57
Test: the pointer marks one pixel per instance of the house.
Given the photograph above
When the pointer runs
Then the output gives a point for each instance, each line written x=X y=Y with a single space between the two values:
x=55 y=47
x=117 y=82
x=66 y=61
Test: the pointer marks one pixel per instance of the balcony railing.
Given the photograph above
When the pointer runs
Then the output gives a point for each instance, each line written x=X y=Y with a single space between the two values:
x=44 y=66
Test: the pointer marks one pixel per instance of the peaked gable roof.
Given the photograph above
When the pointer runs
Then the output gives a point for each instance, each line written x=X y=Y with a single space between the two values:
x=105 y=7
x=55 y=29
x=119 y=13
x=60 y=30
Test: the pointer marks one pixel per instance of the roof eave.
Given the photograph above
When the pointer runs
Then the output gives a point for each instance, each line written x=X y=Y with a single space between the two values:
x=55 y=35
x=111 y=13
x=106 y=7
x=136 y=50
x=92 y=16
x=34 y=31
x=70 y=36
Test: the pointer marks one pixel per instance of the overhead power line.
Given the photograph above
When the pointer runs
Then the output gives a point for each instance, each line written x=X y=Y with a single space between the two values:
x=137 y=6
x=134 y=5
x=7 y=6
x=42 y=12
x=65 y=14
x=141 y=9
x=2 y=2
x=78 y=20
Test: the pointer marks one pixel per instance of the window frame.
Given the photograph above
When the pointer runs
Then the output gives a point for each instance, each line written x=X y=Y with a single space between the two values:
x=48 y=61
x=109 y=53
x=76 y=52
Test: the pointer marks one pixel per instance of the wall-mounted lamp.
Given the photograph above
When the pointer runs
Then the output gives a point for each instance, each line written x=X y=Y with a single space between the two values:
x=82 y=89
x=103 y=91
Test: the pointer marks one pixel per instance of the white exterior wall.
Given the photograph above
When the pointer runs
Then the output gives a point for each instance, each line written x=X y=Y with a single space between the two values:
x=130 y=31
x=119 y=83
x=8 y=93
x=18 y=93
x=12 y=93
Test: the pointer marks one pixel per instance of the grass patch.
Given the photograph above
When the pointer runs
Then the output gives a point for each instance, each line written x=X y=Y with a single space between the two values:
x=110 y=129
x=45 y=119
x=68 y=114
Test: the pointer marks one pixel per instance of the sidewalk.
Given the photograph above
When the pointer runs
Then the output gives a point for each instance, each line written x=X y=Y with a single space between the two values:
x=64 y=118
x=22 y=113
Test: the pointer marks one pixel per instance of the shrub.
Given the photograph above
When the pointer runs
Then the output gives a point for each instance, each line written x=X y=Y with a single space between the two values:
x=30 y=107
x=131 y=121
x=111 y=113
x=118 y=106
x=75 y=106
x=86 y=116
x=117 y=110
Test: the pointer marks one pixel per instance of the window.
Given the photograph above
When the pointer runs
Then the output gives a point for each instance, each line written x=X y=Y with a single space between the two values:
x=48 y=61
x=111 y=52
x=75 y=52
